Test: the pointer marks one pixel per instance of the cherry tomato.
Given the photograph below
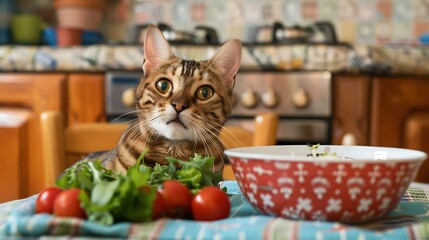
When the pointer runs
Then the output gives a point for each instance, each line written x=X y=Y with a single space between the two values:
x=178 y=199
x=45 y=200
x=159 y=208
x=67 y=204
x=211 y=203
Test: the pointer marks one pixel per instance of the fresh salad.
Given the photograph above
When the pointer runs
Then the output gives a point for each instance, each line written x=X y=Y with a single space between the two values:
x=325 y=154
x=314 y=153
x=181 y=189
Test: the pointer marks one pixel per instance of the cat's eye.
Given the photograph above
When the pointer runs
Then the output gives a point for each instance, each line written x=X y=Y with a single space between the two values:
x=163 y=85
x=205 y=93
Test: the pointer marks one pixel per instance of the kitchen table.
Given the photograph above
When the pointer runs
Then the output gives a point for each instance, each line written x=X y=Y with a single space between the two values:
x=409 y=220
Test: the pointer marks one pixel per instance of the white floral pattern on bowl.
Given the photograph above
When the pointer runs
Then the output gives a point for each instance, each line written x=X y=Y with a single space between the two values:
x=298 y=187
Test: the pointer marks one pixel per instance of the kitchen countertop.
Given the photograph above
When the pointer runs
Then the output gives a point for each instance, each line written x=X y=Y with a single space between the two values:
x=334 y=58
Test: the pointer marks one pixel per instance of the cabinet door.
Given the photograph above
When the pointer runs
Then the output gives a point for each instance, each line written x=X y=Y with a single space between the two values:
x=85 y=98
x=394 y=99
x=400 y=115
x=35 y=93
x=350 y=109
x=13 y=131
x=417 y=137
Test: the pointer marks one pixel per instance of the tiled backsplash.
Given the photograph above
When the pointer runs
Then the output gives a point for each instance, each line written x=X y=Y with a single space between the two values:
x=368 y=22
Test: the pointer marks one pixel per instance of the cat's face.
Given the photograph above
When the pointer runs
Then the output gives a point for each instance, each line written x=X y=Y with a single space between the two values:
x=185 y=99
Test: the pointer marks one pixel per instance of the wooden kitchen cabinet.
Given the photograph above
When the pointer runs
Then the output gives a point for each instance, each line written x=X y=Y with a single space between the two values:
x=85 y=98
x=399 y=115
x=13 y=142
x=351 y=98
x=27 y=95
x=80 y=96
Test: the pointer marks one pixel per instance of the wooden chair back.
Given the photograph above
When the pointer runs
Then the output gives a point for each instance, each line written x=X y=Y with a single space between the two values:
x=62 y=146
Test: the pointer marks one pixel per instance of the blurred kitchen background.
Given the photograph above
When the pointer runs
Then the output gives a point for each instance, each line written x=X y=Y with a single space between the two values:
x=372 y=22
x=336 y=72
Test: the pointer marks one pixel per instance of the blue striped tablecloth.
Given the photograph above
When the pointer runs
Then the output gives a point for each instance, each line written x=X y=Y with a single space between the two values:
x=409 y=220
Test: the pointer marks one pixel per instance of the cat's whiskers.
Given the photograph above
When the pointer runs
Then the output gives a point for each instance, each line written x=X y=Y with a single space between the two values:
x=231 y=137
x=151 y=133
x=145 y=130
x=125 y=114
x=205 y=140
x=206 y=131
x=133 y=131
x=121 y=140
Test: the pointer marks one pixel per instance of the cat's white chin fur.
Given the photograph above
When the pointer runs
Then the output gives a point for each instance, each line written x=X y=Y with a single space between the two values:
x=173 y=131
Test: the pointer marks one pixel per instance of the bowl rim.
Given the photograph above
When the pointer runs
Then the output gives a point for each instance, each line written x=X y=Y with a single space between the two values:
x=243 y=152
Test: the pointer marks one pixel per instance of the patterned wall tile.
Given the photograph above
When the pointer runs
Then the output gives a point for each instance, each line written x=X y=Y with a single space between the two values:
x=348 y=10
x=356 y=21
x=421 y=27
x=347 y=31
x=292 y=12
x=328 y=9
x=402 y=32
x=235 y=12
x=365 y=32
x=383 y=31
x=420 y=9
x=385 y=9
x=181 y=14
x=402 y=10
x=309 y=9
x=366 y=10
x=199 y=11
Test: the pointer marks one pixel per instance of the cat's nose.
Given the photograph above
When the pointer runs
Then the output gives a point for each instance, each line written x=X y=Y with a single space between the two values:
x=179 y=106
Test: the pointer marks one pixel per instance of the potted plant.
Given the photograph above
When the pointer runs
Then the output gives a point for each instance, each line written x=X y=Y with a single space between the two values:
x=80 y=14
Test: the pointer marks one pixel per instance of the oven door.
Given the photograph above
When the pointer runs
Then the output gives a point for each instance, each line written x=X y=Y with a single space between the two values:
x=120 y=95
x=294 y=131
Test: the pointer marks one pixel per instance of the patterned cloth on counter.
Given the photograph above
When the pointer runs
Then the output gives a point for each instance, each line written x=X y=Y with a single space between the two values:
x=403 y=59
x=130 y=57
x=409 y=220
x=79 y=58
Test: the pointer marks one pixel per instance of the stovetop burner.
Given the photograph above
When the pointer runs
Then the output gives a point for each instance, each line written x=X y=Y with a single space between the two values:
x=278 y=33
x=199 y=35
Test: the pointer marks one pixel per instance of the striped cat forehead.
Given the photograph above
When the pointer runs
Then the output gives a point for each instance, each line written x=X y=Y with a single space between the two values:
x=183 y=68
x=188 y=67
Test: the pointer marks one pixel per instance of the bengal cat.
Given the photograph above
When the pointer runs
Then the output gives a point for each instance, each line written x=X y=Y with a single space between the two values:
x=181 y=105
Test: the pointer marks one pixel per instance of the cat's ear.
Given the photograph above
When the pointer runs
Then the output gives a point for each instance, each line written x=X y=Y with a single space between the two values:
x=227 y=61
x=156 y=49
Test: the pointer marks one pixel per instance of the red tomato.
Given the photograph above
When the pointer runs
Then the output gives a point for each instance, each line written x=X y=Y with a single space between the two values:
x=45 y=200
x=159 y=208
x=178 y=199
x=211 y=203
x=67 y=204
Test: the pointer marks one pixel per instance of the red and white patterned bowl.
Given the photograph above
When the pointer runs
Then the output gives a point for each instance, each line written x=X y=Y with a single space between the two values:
x=284 y=181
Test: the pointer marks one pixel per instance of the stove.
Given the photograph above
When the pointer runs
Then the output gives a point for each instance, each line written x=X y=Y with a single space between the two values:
x=301 y=99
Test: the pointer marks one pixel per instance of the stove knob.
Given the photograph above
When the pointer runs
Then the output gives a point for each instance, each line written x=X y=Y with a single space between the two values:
x=300 y=98
x=129 y=97
x=270 y=99
x=249 y=98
